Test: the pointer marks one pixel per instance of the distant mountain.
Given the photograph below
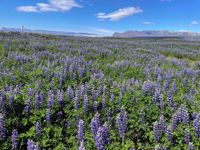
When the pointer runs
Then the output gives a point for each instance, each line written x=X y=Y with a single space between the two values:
x=49 y=32
x=159 y=33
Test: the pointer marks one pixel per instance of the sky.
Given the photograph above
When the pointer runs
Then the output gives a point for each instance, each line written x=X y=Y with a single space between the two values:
x=103 y=17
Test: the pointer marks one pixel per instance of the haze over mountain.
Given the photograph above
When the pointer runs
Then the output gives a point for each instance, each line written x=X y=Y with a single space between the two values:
x=159 y=33
x=48 y=32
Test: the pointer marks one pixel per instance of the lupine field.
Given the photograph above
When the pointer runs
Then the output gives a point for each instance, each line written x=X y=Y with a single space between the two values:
x=78 y=93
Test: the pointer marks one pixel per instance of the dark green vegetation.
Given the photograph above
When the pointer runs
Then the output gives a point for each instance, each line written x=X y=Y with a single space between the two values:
x=45 y=81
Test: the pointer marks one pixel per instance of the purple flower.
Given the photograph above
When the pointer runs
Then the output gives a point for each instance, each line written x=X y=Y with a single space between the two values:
x=102 y=137
x=169 y=134
x=95 y=106
x=196 y=125
x=105 y=134
x=27 y=107
x=95 y=124
x=85 y=104
x=50 y=99
x=70 y=93
x=61 y=101
x=176 y=120
x=158 y=98
x=2 y=129
x=111 y=95
x=161 y=124
x=121 y=122
x=190 y=146
x=81 y=147
x=156 y=131
x=166 y=85
x=31 y=145
x=38 y=129
x=174 y=88
x=187 y=136
x=14 y=139
x=80 y=130
x=148 y=87
x=170 y=98
x=103 y=102
x=184 y=114
x=37 y=102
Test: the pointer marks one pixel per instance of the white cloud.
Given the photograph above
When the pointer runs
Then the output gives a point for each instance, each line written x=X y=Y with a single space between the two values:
x=27 y=8
x=119 y=14
x=51 y=6
x=194 y=22
x=147 y=23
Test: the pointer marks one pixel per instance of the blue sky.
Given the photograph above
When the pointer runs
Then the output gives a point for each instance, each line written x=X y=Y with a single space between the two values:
x=101 y=16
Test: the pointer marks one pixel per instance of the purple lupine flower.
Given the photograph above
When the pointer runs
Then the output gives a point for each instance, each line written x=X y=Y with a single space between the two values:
x=161 y=124
x=95 y=124
x=105 y=134
x=50 y=99
x=191 y=146
x=148 y=87
x=174 y=122
x=121 y=122
x=42 y=96
x=156 y=131
x=30 y=92
x=111 y=95
x=38 y=129
x=95 y=106
x=161 y=102
x=70 y=93
x=164 y=147
x=14 y=139
x=85 y=104
x=187 y=136
x=169 y=134
x=158 y=98
x=184 y=115
x=174 y=88
x=2 y=128
x=48 y=116
x=196 y=125
x=60 y=114
x=32 y=146
x=80 y=130
x=99 y=139
x=170 y=98
x=103 y=102
x=166 y=85
x=37 y=102
x=27 y=107
x=61 y=101
x=81 y=147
